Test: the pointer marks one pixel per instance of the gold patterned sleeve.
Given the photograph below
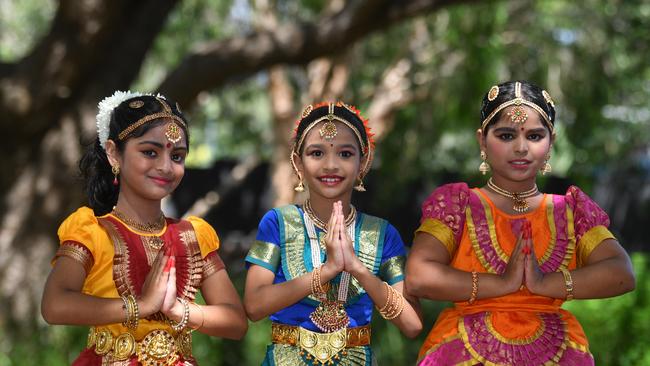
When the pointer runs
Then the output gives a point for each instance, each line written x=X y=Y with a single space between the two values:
x=590 y=240
x=212 y=264
x=392 y=270
x=264 y=254
x=76 y=251
x=439 y=231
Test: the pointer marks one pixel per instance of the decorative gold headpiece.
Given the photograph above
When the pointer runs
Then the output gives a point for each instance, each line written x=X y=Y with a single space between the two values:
x=172 y=130
x=328 y=130
x=518 y=113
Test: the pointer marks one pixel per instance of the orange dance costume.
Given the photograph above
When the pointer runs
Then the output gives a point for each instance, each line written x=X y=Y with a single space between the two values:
x=520 y=328
x=117 y=260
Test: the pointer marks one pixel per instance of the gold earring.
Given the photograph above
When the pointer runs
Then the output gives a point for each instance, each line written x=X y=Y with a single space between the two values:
x=484 y=167
x=115 y=169
x=300 y=187
x=547 y=166
x=360 y=187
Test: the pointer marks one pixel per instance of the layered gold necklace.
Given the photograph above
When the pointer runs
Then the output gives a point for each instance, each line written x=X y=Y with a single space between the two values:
x=145 y=227
x=352 y=216
x=519 y=198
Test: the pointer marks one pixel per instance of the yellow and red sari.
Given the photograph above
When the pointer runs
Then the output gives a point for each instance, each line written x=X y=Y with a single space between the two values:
x=520 y=328
x=117 y=261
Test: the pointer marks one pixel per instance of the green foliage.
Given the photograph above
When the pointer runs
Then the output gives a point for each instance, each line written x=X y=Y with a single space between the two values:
x=22 y=24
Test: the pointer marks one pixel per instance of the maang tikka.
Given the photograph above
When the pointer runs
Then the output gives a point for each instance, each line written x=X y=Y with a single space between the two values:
x=328 y=129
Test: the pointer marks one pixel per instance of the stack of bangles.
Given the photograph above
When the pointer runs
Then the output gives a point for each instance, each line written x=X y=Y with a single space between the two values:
x=317 y=287
x=568 y=282
x=132 y=313
x=394 y=303
x=474 y=294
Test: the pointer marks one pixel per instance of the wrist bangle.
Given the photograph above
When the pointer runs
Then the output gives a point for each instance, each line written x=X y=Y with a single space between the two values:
x=132 y=312
x=202 y=315
x=472 y=296
x=568 y=283
x=186 y=316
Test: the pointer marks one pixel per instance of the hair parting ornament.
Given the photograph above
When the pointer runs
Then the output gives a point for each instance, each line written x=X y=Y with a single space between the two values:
x=328 y=132
x=517 y=114
x=108 y=105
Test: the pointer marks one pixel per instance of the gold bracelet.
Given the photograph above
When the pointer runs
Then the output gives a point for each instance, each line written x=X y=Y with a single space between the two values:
x=568 y=283
x=394 y=303
x=202 y=315
x=184 y=319
x=132 y=312
x=472 y=297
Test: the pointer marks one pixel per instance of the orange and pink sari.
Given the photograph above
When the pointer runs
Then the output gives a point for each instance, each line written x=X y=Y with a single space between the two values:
x=520 y=328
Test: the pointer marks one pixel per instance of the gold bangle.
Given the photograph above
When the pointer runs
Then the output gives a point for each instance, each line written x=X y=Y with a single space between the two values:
x=202 y=315
x=568 y=283
x=474 y=293
x=394 y=303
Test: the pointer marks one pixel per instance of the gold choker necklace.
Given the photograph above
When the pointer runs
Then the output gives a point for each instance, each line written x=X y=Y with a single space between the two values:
x=518 y=198
x=352 y=216
x=147 y=227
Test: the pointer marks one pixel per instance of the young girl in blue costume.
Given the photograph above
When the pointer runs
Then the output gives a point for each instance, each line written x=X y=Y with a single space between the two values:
x=318 y=269
x=125 y=269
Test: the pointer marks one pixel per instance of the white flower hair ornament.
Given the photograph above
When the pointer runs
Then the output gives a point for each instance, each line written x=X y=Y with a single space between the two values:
x=106 y=107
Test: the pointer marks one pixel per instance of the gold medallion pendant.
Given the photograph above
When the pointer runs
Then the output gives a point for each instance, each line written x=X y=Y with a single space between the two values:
x=330 y=316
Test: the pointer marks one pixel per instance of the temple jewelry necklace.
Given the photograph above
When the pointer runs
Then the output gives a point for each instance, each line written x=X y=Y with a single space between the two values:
x=146 y=227
x=330 y=315
x=352 y=216
x=519 y=198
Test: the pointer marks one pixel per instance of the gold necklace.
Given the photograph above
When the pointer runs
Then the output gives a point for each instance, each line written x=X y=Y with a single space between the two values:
x=519 y=198
x=147 y=227
x=352 y=216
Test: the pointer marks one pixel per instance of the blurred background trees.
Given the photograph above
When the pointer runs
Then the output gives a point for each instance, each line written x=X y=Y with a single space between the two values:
x=243 y=70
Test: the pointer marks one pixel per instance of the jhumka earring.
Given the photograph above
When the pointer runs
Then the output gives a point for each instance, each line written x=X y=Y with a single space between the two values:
x=360 y=187
x=115 y=169
x=547 y=166
x=484 y=167
x=300 y=187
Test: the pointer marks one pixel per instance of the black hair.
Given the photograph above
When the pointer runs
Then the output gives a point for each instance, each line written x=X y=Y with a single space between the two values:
x=94 y=165
x=339 y=111
x=529 y=91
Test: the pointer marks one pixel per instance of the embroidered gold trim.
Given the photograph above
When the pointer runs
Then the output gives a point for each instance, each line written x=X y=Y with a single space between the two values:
x=440 y=231
x=392 y=268
x=212 y=264
x=78 y=252
x=265 y=252
x=590 y=240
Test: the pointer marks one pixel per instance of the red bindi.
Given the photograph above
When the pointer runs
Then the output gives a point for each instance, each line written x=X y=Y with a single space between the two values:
x=169 y=144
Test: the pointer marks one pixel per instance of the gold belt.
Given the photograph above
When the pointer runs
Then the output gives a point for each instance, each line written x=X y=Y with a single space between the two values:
x=157 y=348
x=321 y=346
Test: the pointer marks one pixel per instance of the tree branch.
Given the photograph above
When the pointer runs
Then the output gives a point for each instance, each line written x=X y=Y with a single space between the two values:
x=217 y=63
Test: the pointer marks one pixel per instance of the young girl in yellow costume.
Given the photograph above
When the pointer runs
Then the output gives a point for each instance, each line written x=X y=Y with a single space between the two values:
x=509 y=255
x=123 y=267
x=318 y=269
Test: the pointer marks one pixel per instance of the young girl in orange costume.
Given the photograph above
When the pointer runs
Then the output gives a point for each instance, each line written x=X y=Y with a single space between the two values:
x=125 y=269
x=509 y=255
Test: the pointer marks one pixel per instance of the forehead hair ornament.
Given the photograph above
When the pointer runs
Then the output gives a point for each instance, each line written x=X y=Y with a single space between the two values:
x=328 y=129
x=518 y=113
x=172 y=130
